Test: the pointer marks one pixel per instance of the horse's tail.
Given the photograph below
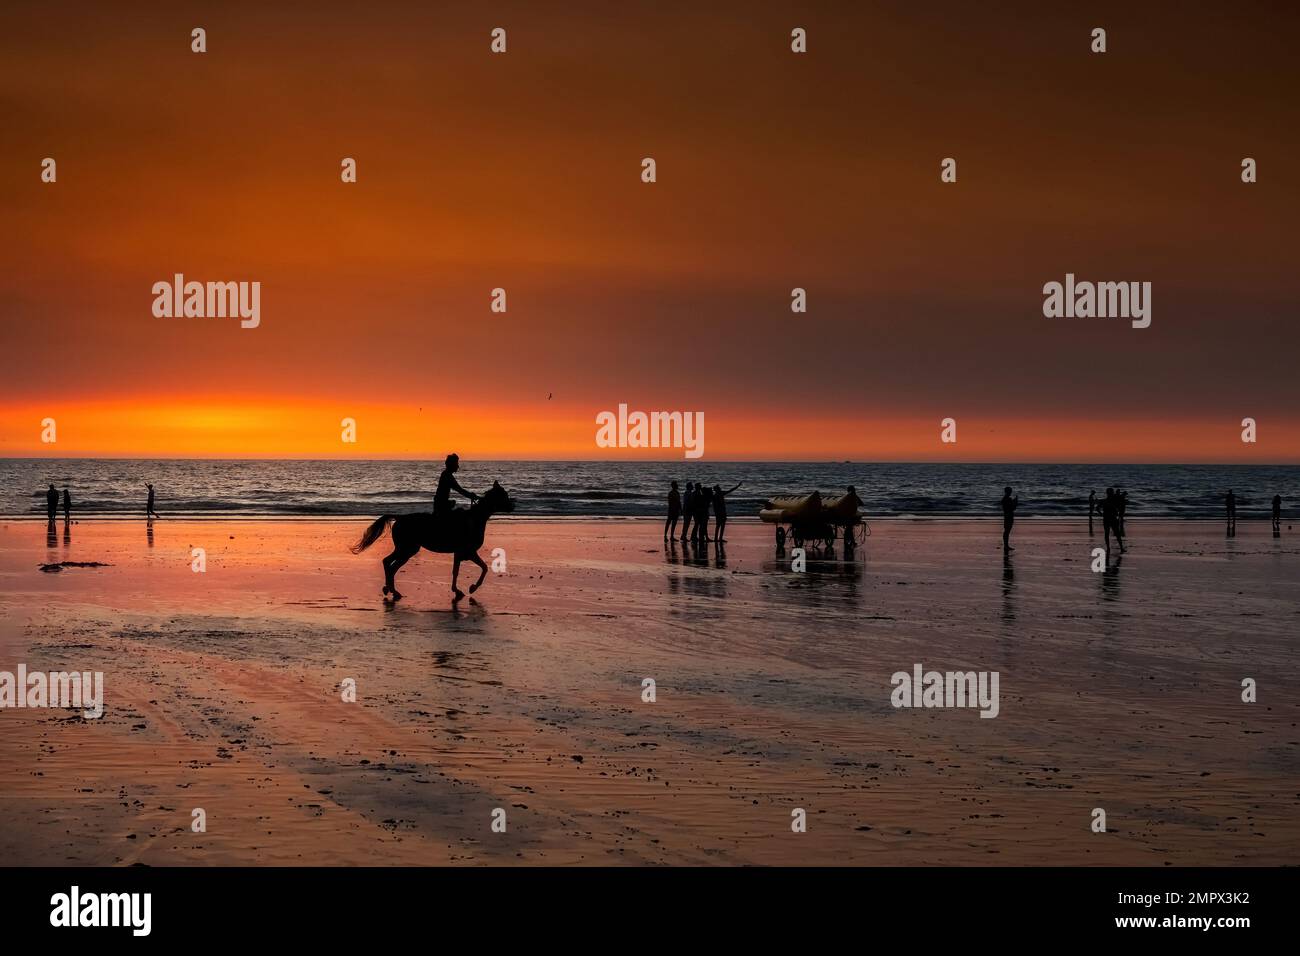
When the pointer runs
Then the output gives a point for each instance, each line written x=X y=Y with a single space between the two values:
x=373 y=533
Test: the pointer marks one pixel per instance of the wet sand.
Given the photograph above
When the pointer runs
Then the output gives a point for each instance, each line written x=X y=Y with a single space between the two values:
x=1119 y=690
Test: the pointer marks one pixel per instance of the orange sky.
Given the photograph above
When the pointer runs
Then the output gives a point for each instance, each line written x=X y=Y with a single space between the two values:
x=775 y=170
x=232 y=427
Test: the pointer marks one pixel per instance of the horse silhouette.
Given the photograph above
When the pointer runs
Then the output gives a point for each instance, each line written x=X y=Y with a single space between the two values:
x=458 y=533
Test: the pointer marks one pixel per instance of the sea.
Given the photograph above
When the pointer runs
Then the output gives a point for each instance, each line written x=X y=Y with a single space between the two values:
x=590 y=489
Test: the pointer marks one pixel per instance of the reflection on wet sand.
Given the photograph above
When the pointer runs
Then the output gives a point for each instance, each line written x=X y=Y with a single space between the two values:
x=1110 y=578
x=773 y=692
x=825 y=566
x=1008 y=587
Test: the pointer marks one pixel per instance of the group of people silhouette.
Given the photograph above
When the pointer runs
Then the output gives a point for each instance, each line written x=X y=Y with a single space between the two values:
x=52 y=504
x=693 y=508
x=1112 y=509
x=1230 y=513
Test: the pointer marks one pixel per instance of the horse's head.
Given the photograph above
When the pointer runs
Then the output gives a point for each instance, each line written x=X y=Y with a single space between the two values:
x=496 y=501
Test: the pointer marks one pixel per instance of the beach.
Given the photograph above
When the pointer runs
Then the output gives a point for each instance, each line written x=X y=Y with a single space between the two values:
x=224 y=691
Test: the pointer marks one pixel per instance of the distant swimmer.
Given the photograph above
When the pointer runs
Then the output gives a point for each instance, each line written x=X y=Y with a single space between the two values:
x=1009 y=505
x=674 y=510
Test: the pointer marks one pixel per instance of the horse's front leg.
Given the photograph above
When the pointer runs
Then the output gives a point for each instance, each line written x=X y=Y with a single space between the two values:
x=456 y=592
x=482 y=572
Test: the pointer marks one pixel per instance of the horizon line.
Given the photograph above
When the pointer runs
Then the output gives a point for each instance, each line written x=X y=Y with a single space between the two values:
x=664 y=461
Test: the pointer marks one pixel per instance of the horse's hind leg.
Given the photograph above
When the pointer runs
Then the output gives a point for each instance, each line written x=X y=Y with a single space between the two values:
x=389 y=571
x=392 y=564
x=456 y=592
x=482 y=572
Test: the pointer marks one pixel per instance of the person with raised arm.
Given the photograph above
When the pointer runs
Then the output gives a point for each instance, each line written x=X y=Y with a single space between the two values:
x=720 y=509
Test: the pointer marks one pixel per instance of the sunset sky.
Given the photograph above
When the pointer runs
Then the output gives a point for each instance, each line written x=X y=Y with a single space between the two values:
x=775 y=170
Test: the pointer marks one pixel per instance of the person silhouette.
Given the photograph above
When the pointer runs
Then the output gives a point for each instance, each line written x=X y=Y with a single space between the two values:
x=1230 y=505
x=1121 y=506
x=447 y=483
x=1009 y=505
x=67 y=505
x=149 y=513
x=52 y=502
x=688 y=510
x=1110 y=519
x=1092 y=508
x=703 y=498
x=1277 y=516
x=1105 y=506
x=674 y=509
x=720 y=509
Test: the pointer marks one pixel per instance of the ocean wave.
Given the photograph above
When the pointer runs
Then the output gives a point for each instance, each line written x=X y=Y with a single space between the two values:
x=628 y=489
